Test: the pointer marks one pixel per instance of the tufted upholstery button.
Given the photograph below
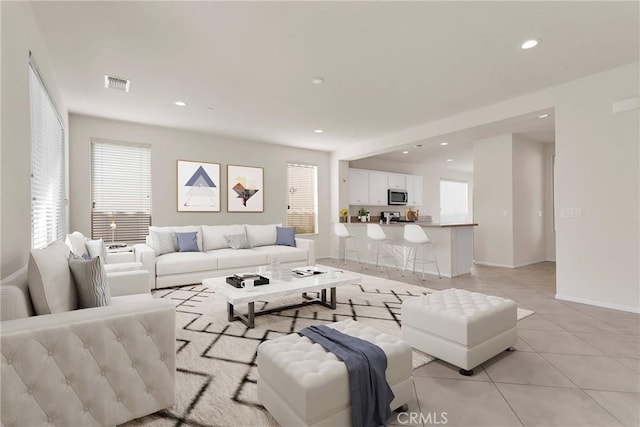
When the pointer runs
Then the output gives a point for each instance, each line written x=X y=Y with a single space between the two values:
x=118 y=398
x=133 y=365
x=86 y=409
x=30 y=391
x=49 y=420
x=102 y=373
x=10 y=361
x=118 y=339
x=148 y=332
x=148 y=390
x=68 y=382
x=163 y=357
x=50 y=353
x=86 y=345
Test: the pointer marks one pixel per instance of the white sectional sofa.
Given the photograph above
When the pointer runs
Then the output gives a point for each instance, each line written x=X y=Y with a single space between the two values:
x=215 y=257
x=82 y=367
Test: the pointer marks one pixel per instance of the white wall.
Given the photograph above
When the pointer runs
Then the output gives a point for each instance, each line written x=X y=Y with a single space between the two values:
x=493 y=201
x=19 y=35
x=170 y=145
x=597 y=162
x=549 y=231
x=528 y=202
x=432 y=172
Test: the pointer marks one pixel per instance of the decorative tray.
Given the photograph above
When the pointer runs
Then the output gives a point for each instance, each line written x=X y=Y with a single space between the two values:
x=236 y=281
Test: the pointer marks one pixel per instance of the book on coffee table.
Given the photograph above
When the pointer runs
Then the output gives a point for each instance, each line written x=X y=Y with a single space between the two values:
x=306 y=271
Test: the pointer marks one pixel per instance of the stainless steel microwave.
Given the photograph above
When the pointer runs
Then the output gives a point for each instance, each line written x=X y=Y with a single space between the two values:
x=397 y=197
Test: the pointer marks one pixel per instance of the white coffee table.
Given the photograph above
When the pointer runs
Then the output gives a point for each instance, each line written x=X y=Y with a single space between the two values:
x=279 y=288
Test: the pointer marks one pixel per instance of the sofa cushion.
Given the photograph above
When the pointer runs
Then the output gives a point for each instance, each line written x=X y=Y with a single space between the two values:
x=181 y=229
x=76 y=242
x=96 y=249
x=237 y=241
x=162 y=242
x=185 y=262
x=91 y=282
x=286 y=236
x=261 y=235
x=283 y=253
x=50 y=284
x=187 y=242
x=213 y=235
x=123 y=266
x=235 y=258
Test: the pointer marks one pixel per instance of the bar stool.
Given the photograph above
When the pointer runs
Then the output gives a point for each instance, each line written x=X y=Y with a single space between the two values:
x=344 y=236
x=379 y=240
x=415 y=237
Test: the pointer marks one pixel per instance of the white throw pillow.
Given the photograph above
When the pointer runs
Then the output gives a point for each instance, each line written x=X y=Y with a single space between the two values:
x=91 y=282
x=181 y=229
x=163 y=242
x=213 y=235
x=262 y=235
x=76 y=242
x=50 y=284
x=96 y=249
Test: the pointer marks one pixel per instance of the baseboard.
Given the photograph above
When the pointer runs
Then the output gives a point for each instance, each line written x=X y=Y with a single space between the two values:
x=550 y=260
x=599 y=303
x=490 y=264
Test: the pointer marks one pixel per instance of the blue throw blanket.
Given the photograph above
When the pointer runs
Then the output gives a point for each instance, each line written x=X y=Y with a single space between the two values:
x=366 y=364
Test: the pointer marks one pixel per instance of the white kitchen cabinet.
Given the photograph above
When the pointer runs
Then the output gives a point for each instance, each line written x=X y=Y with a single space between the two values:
x=414 y=190
x=358 y=187
x=397 y=181
x=378 y=186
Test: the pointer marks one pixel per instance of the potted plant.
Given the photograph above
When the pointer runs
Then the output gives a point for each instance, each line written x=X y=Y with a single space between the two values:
x=363 y=215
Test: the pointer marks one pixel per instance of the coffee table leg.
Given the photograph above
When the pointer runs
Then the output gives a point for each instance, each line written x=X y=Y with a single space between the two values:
x=251 y=315
x=230 y=316
x=323 y=296
x=333 y=298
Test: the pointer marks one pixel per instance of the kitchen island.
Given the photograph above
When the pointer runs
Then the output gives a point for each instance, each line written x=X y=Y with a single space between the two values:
x=453 y=245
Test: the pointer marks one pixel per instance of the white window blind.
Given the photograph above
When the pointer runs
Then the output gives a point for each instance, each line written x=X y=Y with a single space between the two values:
x=48 y=204
x=120 y=191
x=454 y=201
x=302 y=209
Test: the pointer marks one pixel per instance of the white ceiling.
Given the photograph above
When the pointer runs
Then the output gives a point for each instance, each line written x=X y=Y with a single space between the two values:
x=388 y=66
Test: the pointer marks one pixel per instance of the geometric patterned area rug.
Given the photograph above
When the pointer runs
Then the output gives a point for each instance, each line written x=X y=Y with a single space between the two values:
x=215 y=360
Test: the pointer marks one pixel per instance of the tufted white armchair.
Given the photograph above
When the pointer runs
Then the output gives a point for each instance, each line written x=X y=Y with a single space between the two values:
x=95 y=366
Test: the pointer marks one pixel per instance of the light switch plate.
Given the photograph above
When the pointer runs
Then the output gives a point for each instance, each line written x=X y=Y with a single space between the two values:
x=571 y=213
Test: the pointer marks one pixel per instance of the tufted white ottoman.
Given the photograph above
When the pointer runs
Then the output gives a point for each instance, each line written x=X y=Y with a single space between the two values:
x=301 y=384
x=460 y=327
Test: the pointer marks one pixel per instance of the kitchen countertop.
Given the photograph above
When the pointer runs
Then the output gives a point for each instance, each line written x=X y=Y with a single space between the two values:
x=420 y=223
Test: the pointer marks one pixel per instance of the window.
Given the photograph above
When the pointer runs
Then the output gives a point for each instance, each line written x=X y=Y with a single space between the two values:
x=48 y=185
x=120 y=191
x=454 y=201
x=302 y=198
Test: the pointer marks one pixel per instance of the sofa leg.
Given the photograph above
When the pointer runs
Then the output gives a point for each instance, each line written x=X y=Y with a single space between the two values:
x=403 y=408
x=465 y=372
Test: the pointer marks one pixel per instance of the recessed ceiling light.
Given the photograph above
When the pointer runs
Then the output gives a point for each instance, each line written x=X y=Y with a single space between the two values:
x=542 y=116
x=318 y=131
x=418 y=145
x=529 y=44
x=449 y=160
x=444 y=143
x=405 y=152
x=317 y=81
x=181 y=103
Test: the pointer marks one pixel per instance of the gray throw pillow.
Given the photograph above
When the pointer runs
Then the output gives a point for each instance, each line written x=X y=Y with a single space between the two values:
x=96 y=249
x=237 y=241
x=163 y=242
x=188 y=242
x=286 y=236
x=91 y=282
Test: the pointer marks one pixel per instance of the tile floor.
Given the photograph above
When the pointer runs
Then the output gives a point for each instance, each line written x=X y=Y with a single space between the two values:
x=575 y=365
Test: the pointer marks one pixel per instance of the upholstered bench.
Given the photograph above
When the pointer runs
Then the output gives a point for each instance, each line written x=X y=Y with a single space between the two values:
x=460 y=327
x=302 y=384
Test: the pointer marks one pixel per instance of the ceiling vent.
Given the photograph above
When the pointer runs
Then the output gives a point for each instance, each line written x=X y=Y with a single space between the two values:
x=116 y=83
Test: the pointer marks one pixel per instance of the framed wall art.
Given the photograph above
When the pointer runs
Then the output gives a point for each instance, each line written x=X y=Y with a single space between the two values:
x=245 y=189
x=198 y=186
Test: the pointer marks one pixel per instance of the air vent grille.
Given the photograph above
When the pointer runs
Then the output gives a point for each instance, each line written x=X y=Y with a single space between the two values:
x=117 y=83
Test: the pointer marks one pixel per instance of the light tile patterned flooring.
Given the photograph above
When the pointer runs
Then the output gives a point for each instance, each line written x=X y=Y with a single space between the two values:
x=575 y=364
